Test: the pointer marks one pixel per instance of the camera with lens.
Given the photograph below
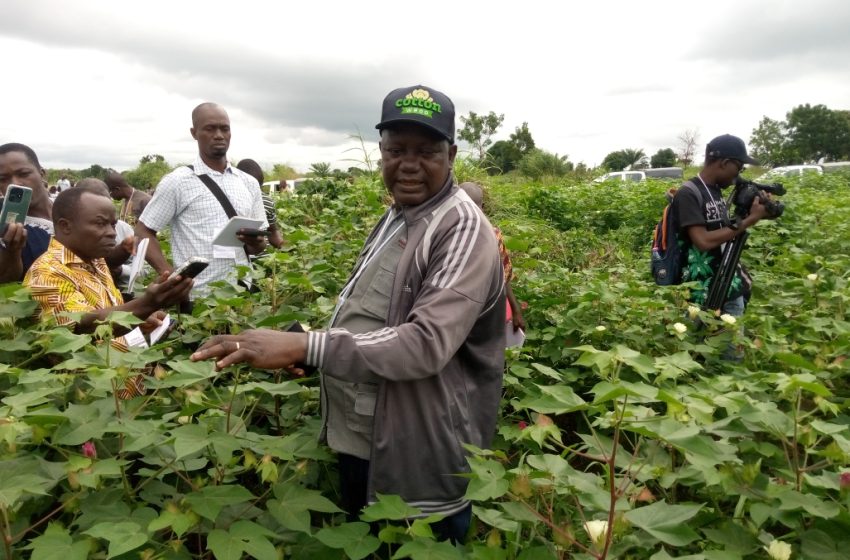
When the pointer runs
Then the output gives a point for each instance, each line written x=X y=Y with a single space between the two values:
x=746 y=191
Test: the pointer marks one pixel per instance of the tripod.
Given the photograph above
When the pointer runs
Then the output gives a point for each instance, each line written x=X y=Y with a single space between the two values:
x=725 y=272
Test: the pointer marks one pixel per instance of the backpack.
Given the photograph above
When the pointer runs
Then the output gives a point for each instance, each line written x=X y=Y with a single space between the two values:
x=666 y=254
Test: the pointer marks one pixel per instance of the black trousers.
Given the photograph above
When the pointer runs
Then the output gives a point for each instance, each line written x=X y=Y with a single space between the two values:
x=353 y=486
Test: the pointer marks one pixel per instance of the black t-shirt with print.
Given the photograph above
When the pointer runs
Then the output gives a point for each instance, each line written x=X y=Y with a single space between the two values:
x=688 y=210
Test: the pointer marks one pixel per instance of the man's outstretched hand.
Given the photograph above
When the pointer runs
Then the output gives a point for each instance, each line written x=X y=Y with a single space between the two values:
x=260 y=348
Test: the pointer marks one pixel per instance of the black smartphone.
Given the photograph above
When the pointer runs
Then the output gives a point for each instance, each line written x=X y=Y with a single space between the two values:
x=191 y=268
x=249 y=232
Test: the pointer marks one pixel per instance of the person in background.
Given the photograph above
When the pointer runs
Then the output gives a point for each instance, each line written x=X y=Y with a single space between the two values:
x=63 y=184
x=704 y=225
x=133 y=201
x=183 y=201
x=22 y=244
x=476 y=193
x=253 y=169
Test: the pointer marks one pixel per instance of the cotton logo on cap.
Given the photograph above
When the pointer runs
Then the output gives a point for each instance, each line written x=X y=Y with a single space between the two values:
x=418 y=102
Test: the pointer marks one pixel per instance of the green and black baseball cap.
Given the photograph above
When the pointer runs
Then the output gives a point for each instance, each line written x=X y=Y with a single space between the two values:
x=420 y=105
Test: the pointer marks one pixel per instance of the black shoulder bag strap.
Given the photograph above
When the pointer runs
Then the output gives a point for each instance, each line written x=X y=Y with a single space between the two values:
x=217 y=192
x=222 y=199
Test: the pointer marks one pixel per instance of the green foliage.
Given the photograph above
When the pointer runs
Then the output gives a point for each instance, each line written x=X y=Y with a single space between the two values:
x=521 y=138
x=621 y=159
x=320 y=169
x=505 y=155
x=664 y=157
x=478 y=130
x=281 y=172
x=620 y=435
x=538 y=163
x=809 y=133
x=150 y=171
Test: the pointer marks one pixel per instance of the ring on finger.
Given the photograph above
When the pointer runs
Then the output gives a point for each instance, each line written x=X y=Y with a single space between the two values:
x=237 y=345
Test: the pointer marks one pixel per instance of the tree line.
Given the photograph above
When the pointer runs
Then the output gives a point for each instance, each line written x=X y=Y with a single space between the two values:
x=808 y=134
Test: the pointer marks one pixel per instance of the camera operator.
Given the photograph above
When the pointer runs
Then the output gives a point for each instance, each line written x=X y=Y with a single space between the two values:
x=704 y=224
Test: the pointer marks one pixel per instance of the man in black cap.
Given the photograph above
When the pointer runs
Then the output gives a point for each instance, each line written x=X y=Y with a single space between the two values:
x=704 y=224
x=413 y=358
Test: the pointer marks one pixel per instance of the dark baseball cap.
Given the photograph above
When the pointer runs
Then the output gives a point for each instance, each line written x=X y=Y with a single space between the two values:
x=730 y=147
x=420 y=105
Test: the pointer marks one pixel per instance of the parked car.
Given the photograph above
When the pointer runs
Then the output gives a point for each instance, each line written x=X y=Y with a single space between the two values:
x=665 y=172
x=791 y=171
x=624 y=176
x=636 y=176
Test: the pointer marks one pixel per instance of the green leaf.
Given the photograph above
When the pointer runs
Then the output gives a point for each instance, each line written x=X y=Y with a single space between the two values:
x=388 y=506
x=210 y=500
x=224 y=546
x=665 y=522
x=792 y=500
x=187 y=373
x=12 y=488
x=819 y=545
x=734 y=537
x=189 y=439
x=548 y=371
x=555 y=399
x=496 y=518
x=675 y=365
x=179 y=522
x=62 y=340
x=428 y=549
x=123 y=536
x=297 y=497
x=283 y=389
x=56 y=544
x=353 y=538
x=488 y=481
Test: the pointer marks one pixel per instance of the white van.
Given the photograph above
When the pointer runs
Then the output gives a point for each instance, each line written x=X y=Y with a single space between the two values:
x=624 y=176
x=791 y=171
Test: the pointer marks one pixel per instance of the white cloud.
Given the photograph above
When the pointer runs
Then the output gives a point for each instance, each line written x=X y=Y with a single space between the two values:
x=108 y=83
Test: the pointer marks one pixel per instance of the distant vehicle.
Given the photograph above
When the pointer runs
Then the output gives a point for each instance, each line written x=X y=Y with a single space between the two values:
x=792 y=171
x=278 y=187
x=638 y=176
x=665 y=172
x=623 y=176
x=836 y=166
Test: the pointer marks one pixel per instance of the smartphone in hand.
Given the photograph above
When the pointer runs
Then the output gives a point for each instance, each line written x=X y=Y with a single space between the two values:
x=250 y=232
x=191 y=268
x=16 y=204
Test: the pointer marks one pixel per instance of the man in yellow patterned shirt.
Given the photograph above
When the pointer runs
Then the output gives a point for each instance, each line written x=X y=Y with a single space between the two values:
x=72 y=275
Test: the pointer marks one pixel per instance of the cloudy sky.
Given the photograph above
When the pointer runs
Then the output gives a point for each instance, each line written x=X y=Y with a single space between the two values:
x=108 y=82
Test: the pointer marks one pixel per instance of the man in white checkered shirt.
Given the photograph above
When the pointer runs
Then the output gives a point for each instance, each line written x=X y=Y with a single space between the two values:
x=183 y=201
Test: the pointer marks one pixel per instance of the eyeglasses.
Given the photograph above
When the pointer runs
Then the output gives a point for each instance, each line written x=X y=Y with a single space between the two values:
x=739 y=164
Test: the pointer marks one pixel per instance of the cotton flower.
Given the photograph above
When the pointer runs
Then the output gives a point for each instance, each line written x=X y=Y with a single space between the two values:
x=844 y=480
x=779 y=550
x=596 y=530
x=680 y=328
x=693 y=311
x=89 y=450
x=601 y=328
x=184 y=419
x=728 y=319
x=812 y=277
